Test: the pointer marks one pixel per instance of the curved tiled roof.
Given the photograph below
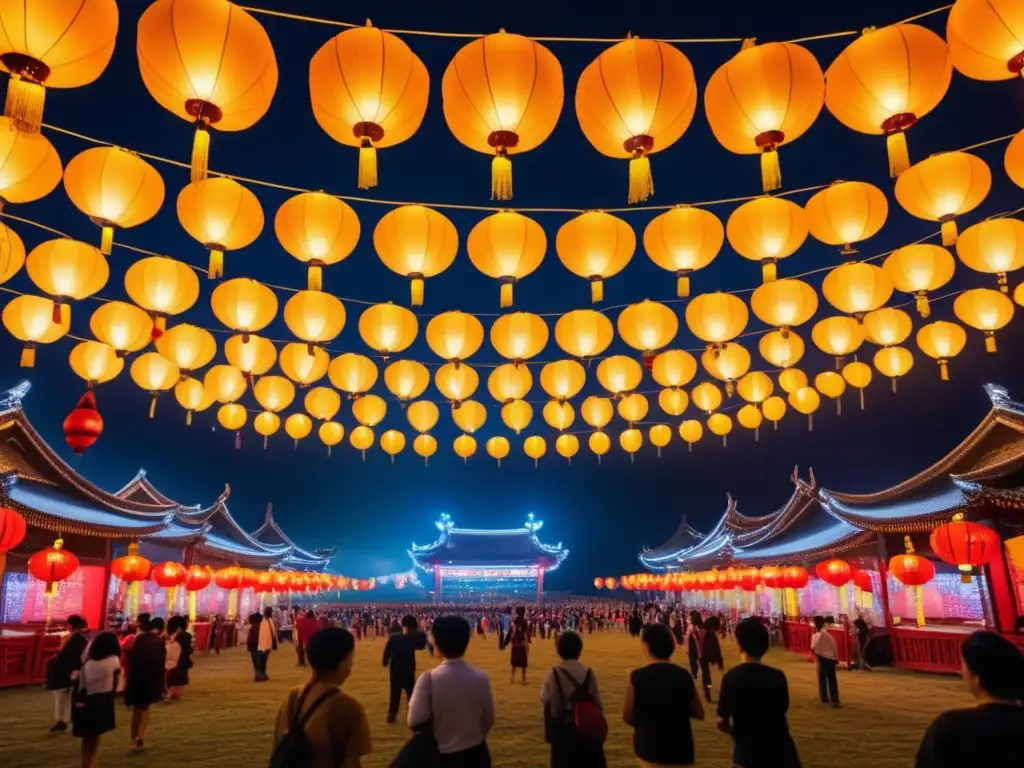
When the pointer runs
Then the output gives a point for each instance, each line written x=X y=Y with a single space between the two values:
x=271 y=533
x=513 y=546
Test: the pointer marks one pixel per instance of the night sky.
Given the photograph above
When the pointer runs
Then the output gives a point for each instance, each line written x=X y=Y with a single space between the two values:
x=604 y=514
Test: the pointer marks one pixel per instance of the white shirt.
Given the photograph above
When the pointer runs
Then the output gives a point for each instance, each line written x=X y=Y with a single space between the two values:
x=98 y=676
x=268 y=631
x=173 y=654
x=578 y=672
x=458 y=697
x=824 y=645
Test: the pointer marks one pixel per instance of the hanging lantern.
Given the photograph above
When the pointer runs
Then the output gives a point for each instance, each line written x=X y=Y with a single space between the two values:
x=352 y=373
x=995 y=246
x=755 y=387
x=518 y=336
x=29 y=319
x=131 y=567
x=893 y=362
x=52 y=565
x=792 y=379
x=985 y=38
x=965 y=544
x=636 y=98
x=660 y=436
x=831 y=385
x=169 y=576
x=187 y=346
x=273 y=393
x=941 y=341
x=66 y=270
x=406 y=379
x=597 y=411
x=856 y=288
x=561 y=415
x=154 y=373
x=301 y=367
x=318 y=230
x=648 y=326
x=632 y=408
x=691 y=432
x=313 y=316
x=208 y=62
x=838 y=336
x=984 y=310
x=584 y=333
x=806 y=400
x=322 y=403
x=858 y=375
x=220 y=213
x=415 y=242
x=12 y=531
x=192 y=396
x=498 y=448
x=464 y=446
x=885 y=81
x=887 y=326
x=517 y=415
x=794 y=577
x=298 y=426
x=535 y=447
x=232 y=417
x=502 y=94
x=595 y=245
x=598 y=583
x=456 y=381
x=361 y=438
x=763 y=97
x=330 y=433
x=767 y=229
x=943 y=187
x=225 y=382
x=12 y=253
x=368 y=90
x=568 y=445
x=83 y=425
x=716 y=318
x=392 y=442
x=425 y=446
x=454 y=336
x=683 y=240
x=244 y=305
x=388 y=328
x=749 y=579
x=834 y=572
x=369 y=410
x=727 y=364
x=721 y=425
x=507 y=246
x=599 y=444
x=1013 y=160
x=707 y=397
x=619 y=374
x=562 y=379
x=95 y=362
x=750 y=417
x=631 y=440
x=781 y=348
x=674 y=368
x=846 y=212
x=29 y=166
x=912 y=570
x=918 y=269
x=509 y=382
x=469 y=416
x=774 y=408
x=422 y=415
x=162 y=287
x=784 y=303
x=115 y=188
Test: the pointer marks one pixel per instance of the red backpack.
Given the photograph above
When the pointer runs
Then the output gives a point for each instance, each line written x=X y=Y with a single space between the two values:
x=586 y=715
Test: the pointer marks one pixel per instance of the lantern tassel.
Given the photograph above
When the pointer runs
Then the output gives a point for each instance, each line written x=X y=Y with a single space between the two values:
x=188 y=418
x=200 y=152
x=861 y=390
x=949 y=232
x=152 y=405
x=506 y=294
x=641 y=182
x=899 y=155
x=328 y=451
x=57 y=313
x=689 y=447
x=367 y=165
x=894 y=385
x=315 y=277
x=417 y=291
x=501 y=176
x=24 y=105
x=810 y=422
x=771 y=172
x=106 y=240
x=238 y=440
x=919 y=605
x=216 y=268
x=769 y=273
x=943 y=370
x=159 y=326
x=596 y=290
x=682 y=286
x=990 y=343
x=839 y=406
x=28 y=356
x=757 y=434
x=924 y=308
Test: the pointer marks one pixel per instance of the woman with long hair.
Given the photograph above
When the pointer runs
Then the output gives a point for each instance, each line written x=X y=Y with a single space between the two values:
x=92 y=713
x=691 y=639
x=179 y=655
x=519 y=639
x=146 y=673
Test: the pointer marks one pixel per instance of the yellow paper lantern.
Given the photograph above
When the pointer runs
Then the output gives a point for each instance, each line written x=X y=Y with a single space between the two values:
x=244 y=305
x=454 y=336
x=331 y=433
x=518 y=336
x=208 y=62
x=469 y=416
x=858 y=375
x=393 y=442
x=422 y=415
x=187 y=346
x=720 y=424
x=636 y=98
x=749 y=417
x=716 y=318
x=29 y=166
x=406 y=379
x=266 y=424
x=781 y=348
x=388 y=328
x=597 y=411
x=535 y=447
x=300 y=366
x=498 y=448
x=806 y=400
x=126 y=328
x=885 y=81
x=995 y=247
x=706 y=396
x=619 y=374
x=784 y=303
x=361 y=438
x=943 y=187
x=917 y=269
x=322 y=403
x=1013 y=160
x=887 y=326
x=415 y=242
x=767 y=229
x=517 y=415
x=763 y=97
x=225 y=383
x=66 y=270
x=314 y=317
x=631 y=440
x=368 y=90
x=838 y=336
x=567 y=445
x=673 y=401
x=221 y=214
x=29 y=319
x=846 y=212
x=683 y=240
x=193 y=396
x=298 y=426
x=425 y=446
x=893 y=362
x=792 y=379
x=559 y=415
x=456 y=381
x=369 y=410
x=599 y=444
x=253 y=357
x=984 y=310
x=632 y=408
x=941 y=341
x=274 y=393
x=562 y=379
x=95 y=362
x=774 y=408
x=985 y=38
x=660 y=436
x=162 y=287
x=674 y=368
x=352 y=373
x=232 y=417
x=318 y=230
x=647 y=326
x=465 y=446
x=832 y=385
x=856 y=288
x=595 y=245
x=584 y=333
x=1018 y=295
x=691 y=432
x=727 y=364
x=502 y=94
x=507 y=246
x=509 y=382
x=755 y=387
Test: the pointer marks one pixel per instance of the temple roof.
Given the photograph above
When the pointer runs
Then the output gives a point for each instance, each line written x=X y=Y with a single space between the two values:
x=467 y=546
x=685 y=537
x=270 y=533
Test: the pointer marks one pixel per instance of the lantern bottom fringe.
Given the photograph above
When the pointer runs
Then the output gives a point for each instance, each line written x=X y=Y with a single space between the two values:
x=367 y=176
x=641 y=182
x=943 y=370
x=949 y=233
x=769 y=273
x=152 y=405
x=771 y=171
x=501 y=177
x=596 y=291
x=188 y=418
x=28 y=357
x=416 y=290
x=506 y=295
x=106 y=240
x=990 y=343
x=861 y=398
x=216 y=266
x=315 y=278
x=924 y=308
x=682 y=286
x=899 y=155
x=24 y=105
x=200 y=153
x=159 y=326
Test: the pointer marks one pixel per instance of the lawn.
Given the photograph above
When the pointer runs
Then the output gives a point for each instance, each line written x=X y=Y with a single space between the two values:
x=225 y=720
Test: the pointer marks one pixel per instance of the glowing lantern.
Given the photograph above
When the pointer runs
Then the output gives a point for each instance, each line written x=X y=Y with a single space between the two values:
x=12 y=253
x=507 y=246
x=595 y=245
x=29 y=319
x=792 y=379
x=941 y=341
x=425 y=446
x=131 y=567
x=647 y=326
x=318 y=230
x=52 y=565
x=683 y=240
x=66 y=270
x=330 y=433
x=831 y=384
x=636 y=98
x=498 y=448
x=673 y=401
x=598 y=583
x=619 y=374
x=632 y=408
x=274 y=393
x=838 y=336
x=767 y=229
x=727 y=364
x=155 y=374
x=314 y=317
x=388 y=328
x=464 y=447
x=456 y=382
x=914 y=571
x=535 y=447
x=856 y=288
x=95 y=362
x=361 y=438
x=221 y=214
x=518 y=336
x=716 y=318
x=502 y=94
x=517 y=415
x=984 y=310
x=209 y=63
x=298 y=426
x=887 y=326
x=774 y=408
x=995 y=246
x=406 y=379
x=415 y=242
x=422 y=415
x=232 y=417
x=794 y=577
x=584 y=333
x=631 y=440
x=846 y=212
x=918 y=269
x=749 y=579
x=806 y=400
x=29 y=166
x=885 y=81
x=253 y=357
x=225 y=382
x=985 y=38
x=858 y=375
x=834 y=572
x=84 y=425
x=893 y=362
x=322 y=403
x=469 y=416
x=266 y=424
x=567 y=445
x=721 y=425
x=691 y=431
x=192 y=396
x=300 y=366
x=755 y=387
x=369 y=410
x=169 y=576
x=750 y=417
x=392 y=442
x=162 y=287
x=1013 y=160
x=597 y=411
x=763 y=97
x=674 y=368
x=964 y=544
x=187 y=346
x=509 y=382
x=561 y=415
x=781 y=348
x=707 y=397
x=784 y=303
x=454 y=336
x=660 y=436
x=562 y=379
x=352 y=373
x=943 y=187
x=244 y=305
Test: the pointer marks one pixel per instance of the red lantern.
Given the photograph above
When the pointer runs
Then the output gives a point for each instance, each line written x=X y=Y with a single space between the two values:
x=168 y=575
x=835 y=572
x=249 y=578
x=264 y=582
x=198 y=578
x=795 y=577
x=281 y=581
x=965 y=544
x=610 y=583
x=52 y=565
x=749 y=579
x=84 y=424
x=598 y=582
x=131 y=567
x=912 y=570
x=229 y=578
x=862 y=580
x=729 y=578
x=771 y=576
x=12 y=529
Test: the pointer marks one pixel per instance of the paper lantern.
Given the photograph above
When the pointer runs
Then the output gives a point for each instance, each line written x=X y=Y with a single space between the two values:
x=95 y=362
x=995 y=246
x=330 y=433
x=599 y=444
x=52 y=44
x=29 y=319
x=517 y=415
x=893 y=362
x=297 y=426
x=781 y=348
x=858 y=375
x=834 y=572
x=266 y=424
x=469 y=416
x=691 y=432
x=392 y=442
x=192 y=396
x=225 y=382
x=507 y=246
x=369 y=410
x=314 y=317
x=985 y=38
x=619 y=374
x=784 y=303
x=774 y=408
x=636 y=98
x=792 y=379
x=597 y=411
x=318 y=230
x=674 y=368
x=720 y=424
x=422 y=415
x=84 y=425
x=631 y=440
x=912 y=570
x=29 y=166
x=406 y=379
x=918 y=269
x=454 y=336
x=352 y=373
x=115 y=188
x=832 y=385
x=856 y=288
x=456 y=381
x=244 y=305
x=567 y=446
x=168 y=575
x=632 y=408
x=584 y=333
x=965 y=544
x=595 y=245
x=187 y=346
x=598 y=583
x=368 y=90
x=425 y=446
x=388 y=328
x=885 y=81
x=763 y=97
x=806 y=400
x=838 y=336
x=155 y=374
x=162 y=287
x=941 y=341
x=562 y=379
x=220 y=213
x=233 y=417
x=767 y=229
x=464 y=447
x=300 y=366
x=535 y=447
x=846 y=212
x=755 y=387
x=361 y=438
x=253 y=357
x=322 y=403
x=647 y=326
x=518 y=336
x=1013 y=160
x=716 y=318
x=683 y=240
x=509 y=382
x=943 y=187
x=660 y=436
x=208 y=62
x=502 y=94
x=559 y=415
x=984 y=310
x=498 y=448
x=706 y=396
x=12 y=529
x=727 y=364
x=750 y=417
x=52 y=565
x=415 y=242
x=67 y=270
x=794 y=577
x=273 y=393
x=887 y=326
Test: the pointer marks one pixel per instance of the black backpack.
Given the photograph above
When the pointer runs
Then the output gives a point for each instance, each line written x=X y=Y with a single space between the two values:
x=293 y=749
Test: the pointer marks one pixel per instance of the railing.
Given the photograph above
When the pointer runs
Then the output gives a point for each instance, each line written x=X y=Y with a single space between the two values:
x=796 y=636
x=927 y=650
x=24 y=653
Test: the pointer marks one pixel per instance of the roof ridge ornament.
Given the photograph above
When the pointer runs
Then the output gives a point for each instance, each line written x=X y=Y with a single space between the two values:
x=10 y=400
x=268 y=518
x=1001 y=400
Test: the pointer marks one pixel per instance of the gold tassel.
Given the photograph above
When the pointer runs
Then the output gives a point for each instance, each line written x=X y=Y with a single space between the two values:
x=315 y=277
x=990 y=342
x=152 y=405
x=596 y=290
x=659 y=453
x=501 y=176
x=919 y=605
x=899 y=155
x=689 y=447
x=188 y=418
x=106 y=240
x=775 y=426
x=771 y=172
x=924 y=308
x=506 y=294
x=24 y=105
x=682 y=285
x=367 y=165
x=417 y=291
x=28 y=356
x=769 y=273
x=725 y=441
x=192 y=606
x=328 y=451
x=200 y=152
x=1004 y=286
x=943 y=370
x=641 y=183
x=216 y=264
x=949 y=232
x=861 y=390
x=893 y=385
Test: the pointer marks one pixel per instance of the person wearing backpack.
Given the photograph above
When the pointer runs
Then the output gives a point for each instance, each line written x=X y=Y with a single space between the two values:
x=573 y=712
x=319 y=725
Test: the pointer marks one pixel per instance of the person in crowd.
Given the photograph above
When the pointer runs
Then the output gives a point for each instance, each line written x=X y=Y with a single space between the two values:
x=710 y=653
x=252 y=645
x=456 y=697
x=62 y=671
x=826 y=656
x=862 y=634
x=691 y=640
x=566 y=684
x=128 y=642
x=519 y=637
x=93 y=710
x=988 y=734
x=146 y=672
x=400 y=658
x=676 y=625
x=753 y=702
x=334 y=723
x=266 y=640
x=179 y=655
x=661 y=699
x=305 y=627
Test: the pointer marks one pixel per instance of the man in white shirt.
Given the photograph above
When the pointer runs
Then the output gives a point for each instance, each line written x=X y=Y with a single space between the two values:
x=826 y=655
x=456 y=697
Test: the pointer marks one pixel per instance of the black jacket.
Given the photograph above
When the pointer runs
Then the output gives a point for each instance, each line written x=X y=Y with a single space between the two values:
x=400 y=653
x=67 y=661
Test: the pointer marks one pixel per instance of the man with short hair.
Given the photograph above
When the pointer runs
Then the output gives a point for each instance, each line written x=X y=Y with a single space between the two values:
x=400 y=656
x=826 y=654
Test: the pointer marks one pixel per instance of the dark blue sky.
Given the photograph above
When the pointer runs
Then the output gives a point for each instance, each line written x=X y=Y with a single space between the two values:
x=373 y=510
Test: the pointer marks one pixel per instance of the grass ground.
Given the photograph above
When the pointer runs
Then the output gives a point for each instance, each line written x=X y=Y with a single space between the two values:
x=226 y=720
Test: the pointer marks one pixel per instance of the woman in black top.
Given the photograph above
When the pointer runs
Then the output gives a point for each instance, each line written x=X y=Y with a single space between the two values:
x=988 y=735
x=63 y=668
x=660 y=701
x=145 y=684
x=519 y=638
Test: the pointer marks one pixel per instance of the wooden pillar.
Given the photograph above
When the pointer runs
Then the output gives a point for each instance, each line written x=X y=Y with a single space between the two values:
x=1001 y=586
x=883 y=574
x=107 y=551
